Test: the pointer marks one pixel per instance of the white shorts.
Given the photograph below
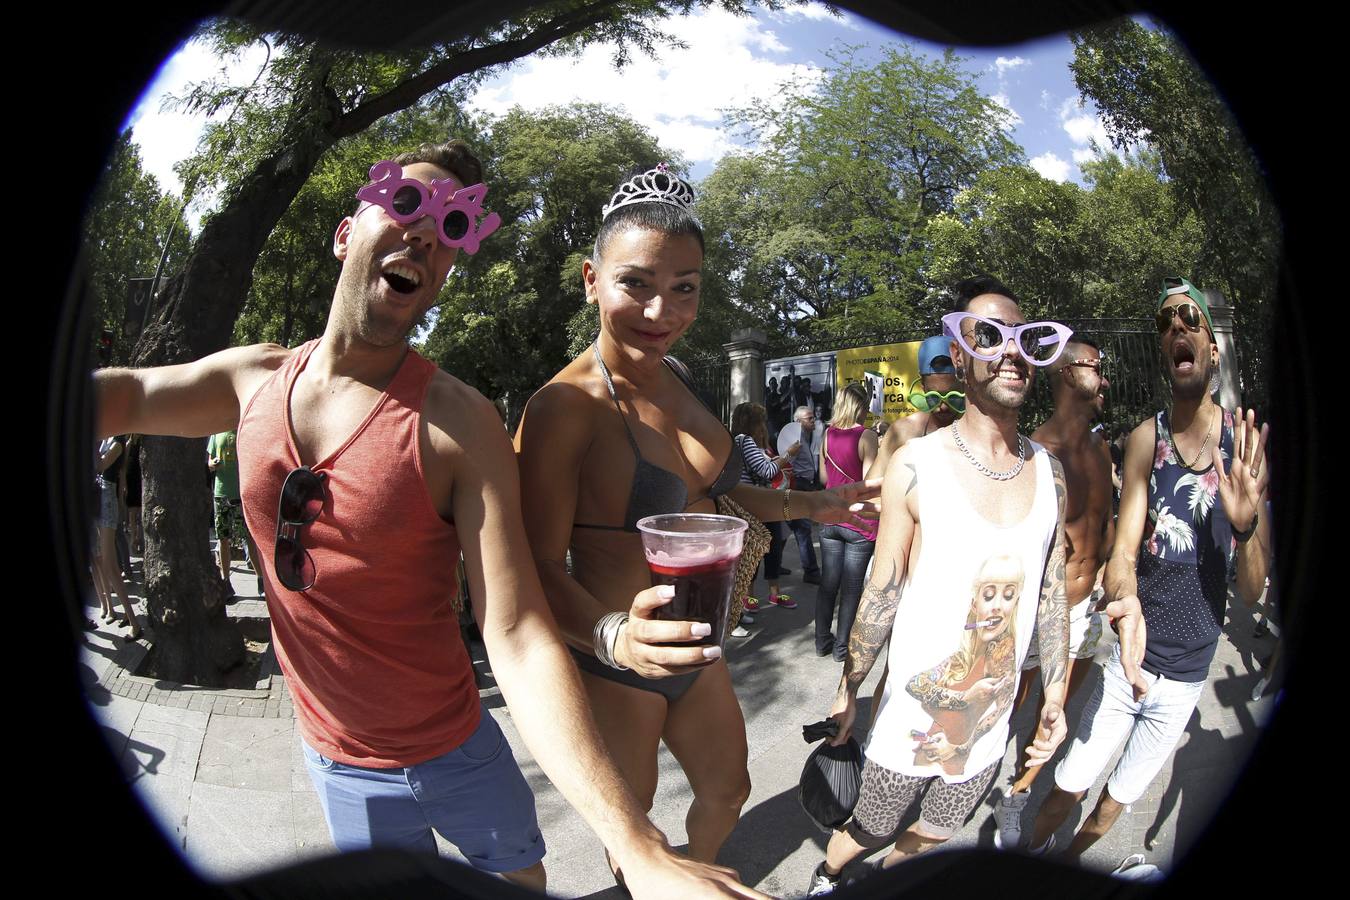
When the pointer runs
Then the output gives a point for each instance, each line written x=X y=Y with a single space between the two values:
x=1085 y=632
x=1150 y=728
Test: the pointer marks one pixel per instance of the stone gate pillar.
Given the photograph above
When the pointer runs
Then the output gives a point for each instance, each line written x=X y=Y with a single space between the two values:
x=1229 y=386
x=745 y=350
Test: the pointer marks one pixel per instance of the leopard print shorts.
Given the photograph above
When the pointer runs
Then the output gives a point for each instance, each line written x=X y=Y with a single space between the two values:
x=885 y=796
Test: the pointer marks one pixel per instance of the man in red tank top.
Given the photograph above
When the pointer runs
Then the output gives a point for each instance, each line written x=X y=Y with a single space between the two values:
x=383 y=468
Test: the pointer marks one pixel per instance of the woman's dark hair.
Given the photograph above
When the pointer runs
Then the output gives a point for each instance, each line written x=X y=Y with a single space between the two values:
x=664 y=217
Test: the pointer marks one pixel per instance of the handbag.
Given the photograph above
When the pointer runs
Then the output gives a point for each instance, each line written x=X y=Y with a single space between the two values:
x=756 y=544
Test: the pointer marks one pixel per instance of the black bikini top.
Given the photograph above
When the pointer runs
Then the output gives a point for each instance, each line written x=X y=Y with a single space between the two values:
x=656 y=490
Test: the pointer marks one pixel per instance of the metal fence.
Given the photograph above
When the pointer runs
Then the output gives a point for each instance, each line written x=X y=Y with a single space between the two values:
x=712 y=376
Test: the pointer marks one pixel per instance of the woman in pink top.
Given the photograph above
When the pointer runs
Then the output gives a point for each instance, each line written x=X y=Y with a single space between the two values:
x=845 y=454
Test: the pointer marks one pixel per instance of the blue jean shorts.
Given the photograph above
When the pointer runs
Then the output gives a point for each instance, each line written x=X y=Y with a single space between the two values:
x=475 y=796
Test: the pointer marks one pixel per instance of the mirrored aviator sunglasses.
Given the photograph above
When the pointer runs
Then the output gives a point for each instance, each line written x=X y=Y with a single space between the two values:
x=1188 y=313
x=302 y=499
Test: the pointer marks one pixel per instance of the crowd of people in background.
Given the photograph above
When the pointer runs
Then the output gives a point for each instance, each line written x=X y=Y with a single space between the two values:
x=367 y=473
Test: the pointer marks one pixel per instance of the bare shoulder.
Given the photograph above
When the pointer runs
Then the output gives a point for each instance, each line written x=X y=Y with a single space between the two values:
x=252 y=365
x=561 y=412
x=459 y=418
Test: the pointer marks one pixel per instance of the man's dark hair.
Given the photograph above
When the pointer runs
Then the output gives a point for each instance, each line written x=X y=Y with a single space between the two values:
x=661 y=217
x=967 y=289
x=453 y=156
x=1086 y=342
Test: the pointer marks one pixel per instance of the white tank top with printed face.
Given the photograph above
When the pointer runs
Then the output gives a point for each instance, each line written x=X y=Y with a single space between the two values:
x=963 y=626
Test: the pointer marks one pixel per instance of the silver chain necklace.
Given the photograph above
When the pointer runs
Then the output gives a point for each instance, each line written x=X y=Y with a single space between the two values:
x=985 y=470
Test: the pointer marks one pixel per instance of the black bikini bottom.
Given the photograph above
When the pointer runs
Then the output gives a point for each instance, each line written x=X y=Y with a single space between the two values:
x=672 y=687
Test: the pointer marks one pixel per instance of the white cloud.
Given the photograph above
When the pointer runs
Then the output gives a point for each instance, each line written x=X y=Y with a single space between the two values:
x=1051 y=166
x=1084 y=128
x=1013 y=119
x=1005 y=64
x=679 y=96
x=165 y=137
x=816 y=12
x=1045 y=99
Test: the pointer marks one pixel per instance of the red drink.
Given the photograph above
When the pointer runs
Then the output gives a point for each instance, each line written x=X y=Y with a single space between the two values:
x=702 y=594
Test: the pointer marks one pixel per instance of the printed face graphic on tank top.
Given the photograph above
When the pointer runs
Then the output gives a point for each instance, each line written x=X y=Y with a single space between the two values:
x=968 y=691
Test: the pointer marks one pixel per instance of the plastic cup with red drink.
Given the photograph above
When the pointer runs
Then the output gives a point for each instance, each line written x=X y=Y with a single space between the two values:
x=697 y=553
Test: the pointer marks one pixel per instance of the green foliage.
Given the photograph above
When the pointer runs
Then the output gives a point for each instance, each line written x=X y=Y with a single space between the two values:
x=1068 y=252
x=824 y=229
x=128 y=221
x=1148 y=87
x=514 y=316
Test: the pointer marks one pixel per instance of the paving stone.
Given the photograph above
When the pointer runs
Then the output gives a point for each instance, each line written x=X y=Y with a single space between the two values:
x=311 y=830
x=243 y=752
x=117 y=716
x=165 y=741
x=238 y=831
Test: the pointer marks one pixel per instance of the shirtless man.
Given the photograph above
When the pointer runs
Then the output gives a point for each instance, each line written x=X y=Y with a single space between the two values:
x=1079 y=390
x=386 y=468
x=937 y=376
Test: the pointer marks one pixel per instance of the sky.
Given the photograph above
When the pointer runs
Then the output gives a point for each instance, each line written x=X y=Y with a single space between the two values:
x=680 y=96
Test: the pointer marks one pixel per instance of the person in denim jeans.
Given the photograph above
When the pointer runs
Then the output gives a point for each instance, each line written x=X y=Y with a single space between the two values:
x=846 y=452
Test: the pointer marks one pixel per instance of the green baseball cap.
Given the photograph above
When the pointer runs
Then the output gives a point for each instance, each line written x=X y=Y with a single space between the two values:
x=1178 y=285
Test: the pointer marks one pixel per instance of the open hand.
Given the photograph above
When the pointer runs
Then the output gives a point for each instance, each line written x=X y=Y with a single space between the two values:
x=638 y=646
x=1241 y=488
x=1049 y=735
x=1127 y=617
x=859 y=502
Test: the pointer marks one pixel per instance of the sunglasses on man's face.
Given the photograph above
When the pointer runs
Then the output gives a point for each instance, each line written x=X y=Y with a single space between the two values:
x=302 y=499
x=1039 y=343
x=929 y=401
x=406 y=200
x=1188 y=313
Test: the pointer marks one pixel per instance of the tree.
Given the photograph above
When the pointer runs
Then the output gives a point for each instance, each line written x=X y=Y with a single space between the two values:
x=129 y=220
x=1149 y=89
x=824 y=230
x=1070 y=253
x=552 y=172
x=308 y=99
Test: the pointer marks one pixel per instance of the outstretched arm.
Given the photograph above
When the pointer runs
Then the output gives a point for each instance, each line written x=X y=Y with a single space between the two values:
x=194 y=399
x=881 y=597
x=1052 y=626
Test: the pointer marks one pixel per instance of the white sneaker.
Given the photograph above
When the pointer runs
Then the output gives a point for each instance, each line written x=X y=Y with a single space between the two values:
x=822 y=883
x=740 y=631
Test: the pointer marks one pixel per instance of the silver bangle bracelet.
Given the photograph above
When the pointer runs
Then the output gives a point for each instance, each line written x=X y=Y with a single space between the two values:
x=605 y=635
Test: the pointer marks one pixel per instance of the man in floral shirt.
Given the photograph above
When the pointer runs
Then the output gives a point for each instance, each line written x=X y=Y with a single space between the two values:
x=1194 y=478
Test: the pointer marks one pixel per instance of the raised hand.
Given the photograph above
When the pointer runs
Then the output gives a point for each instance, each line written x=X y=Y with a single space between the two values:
x=1242 y=487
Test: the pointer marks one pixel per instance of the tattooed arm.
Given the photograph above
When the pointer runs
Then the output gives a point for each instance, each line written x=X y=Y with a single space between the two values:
x=876 y=609
x=1052 y=624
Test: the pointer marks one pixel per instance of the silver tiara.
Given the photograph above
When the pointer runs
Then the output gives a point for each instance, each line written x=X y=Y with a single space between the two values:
x=658 y=185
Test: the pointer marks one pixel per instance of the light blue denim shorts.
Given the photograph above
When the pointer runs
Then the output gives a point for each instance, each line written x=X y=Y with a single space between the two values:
x=475 y=796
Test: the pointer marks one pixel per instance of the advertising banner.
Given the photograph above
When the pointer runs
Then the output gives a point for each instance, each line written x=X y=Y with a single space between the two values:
x=890 y=372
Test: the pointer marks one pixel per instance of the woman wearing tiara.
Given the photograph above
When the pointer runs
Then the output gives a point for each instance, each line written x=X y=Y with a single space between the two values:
x=619 y=435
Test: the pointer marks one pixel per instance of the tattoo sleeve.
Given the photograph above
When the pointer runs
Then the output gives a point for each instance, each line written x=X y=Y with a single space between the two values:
x=1052 y=614
x=871 y=627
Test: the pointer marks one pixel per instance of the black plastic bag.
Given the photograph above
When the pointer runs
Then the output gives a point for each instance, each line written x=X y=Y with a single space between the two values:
x=828 y=789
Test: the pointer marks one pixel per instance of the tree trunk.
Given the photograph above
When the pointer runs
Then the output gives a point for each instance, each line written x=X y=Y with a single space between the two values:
x=196 y=642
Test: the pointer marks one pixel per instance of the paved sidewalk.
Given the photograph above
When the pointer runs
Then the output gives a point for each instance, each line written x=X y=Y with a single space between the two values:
x=222 y=774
